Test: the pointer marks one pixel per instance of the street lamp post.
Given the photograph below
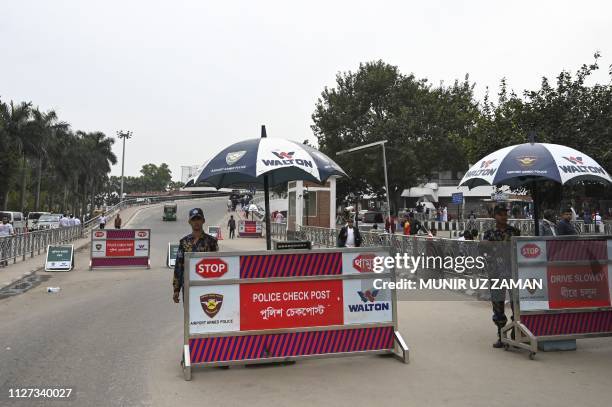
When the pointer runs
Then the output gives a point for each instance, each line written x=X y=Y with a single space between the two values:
x=382 y=144
x=123 y=135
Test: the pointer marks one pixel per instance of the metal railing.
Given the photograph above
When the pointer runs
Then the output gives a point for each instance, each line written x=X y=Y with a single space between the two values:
x=32 y=243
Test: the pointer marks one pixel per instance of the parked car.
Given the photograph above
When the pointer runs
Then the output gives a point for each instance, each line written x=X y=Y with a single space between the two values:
x=49 y=221
x=14 y=218
x=32 y=221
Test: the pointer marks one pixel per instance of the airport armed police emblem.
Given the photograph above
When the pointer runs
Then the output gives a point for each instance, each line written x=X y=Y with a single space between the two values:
x=232 y=158
x=211 y=304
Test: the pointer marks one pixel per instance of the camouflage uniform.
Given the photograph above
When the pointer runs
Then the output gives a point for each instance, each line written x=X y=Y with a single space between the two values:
x=499 y=268
x=188 y=244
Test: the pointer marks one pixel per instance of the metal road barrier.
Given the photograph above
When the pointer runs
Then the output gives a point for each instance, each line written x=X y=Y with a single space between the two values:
x=31 y=243
x=258 y=307
x=574 y=299
x=125 y=248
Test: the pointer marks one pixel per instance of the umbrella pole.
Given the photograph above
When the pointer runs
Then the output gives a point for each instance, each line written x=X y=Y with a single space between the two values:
x=267 y=201
x=536 y=207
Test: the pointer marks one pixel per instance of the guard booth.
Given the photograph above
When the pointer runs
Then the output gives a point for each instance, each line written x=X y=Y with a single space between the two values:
x=574 y=300
x=255 y=307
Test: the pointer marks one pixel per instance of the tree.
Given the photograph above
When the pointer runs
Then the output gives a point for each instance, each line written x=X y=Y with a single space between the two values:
x=420 y=122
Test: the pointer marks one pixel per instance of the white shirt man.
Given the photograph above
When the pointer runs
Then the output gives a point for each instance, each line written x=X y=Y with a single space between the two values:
x=597 y=218
x=64 y=222
x=445 y=215
x=350 y=237
x=6 y=229
x=102 y=221
x=71 y=221
x=77 y=221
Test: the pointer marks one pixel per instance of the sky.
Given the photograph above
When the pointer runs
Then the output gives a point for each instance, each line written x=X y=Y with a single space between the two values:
x=188 y=78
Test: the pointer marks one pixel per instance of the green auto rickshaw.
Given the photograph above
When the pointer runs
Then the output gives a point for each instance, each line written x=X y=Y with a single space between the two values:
x=169 y=211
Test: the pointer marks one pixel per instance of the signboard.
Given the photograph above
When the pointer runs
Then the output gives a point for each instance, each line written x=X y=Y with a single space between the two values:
x=292 y=245
x=214 y=231
x=457 y=198
x=171 y=256
x=59 y=258
x=120 y=248
x=249 y=228
x=265 y=300
x=573 y=297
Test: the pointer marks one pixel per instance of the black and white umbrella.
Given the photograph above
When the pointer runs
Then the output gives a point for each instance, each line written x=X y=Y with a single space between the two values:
x=524 y=163
x=530 y=163
x=268 y=162
x=246 y=162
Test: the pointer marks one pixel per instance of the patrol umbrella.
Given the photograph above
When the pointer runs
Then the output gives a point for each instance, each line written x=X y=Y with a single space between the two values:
x=268 y=162
x=530 y=163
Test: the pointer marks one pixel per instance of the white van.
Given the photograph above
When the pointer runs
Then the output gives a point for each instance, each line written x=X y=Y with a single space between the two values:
x=33 y=219
x=14 y=218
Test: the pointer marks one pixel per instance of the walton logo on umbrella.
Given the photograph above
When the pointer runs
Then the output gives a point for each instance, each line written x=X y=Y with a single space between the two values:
x=574 y=160
x=484 y=169
x=486 y=163
x=211 y=304
x=286 y=158
x=282 y=155
x=232 y=158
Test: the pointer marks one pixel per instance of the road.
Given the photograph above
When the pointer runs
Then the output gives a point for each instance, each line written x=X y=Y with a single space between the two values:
x=115 y=337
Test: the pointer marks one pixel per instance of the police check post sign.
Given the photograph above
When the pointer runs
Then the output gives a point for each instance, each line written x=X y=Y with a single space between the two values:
x=245 y=306
x=59 y=258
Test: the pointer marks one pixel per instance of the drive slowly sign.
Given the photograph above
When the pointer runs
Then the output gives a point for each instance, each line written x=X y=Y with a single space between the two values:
x=59 y=258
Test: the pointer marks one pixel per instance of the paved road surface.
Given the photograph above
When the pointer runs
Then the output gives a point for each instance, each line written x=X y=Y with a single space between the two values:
x=116 y=336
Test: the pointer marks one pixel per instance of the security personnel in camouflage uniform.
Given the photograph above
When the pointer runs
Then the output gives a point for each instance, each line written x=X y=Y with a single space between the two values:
x=196 y=241
x=499 y=265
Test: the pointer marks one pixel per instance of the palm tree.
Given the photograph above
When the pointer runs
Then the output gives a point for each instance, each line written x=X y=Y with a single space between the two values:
x=15 y=119
x=44 y=126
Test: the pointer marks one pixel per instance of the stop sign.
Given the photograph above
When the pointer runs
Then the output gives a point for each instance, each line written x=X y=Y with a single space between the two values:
x=364 y=263
x=211 y=268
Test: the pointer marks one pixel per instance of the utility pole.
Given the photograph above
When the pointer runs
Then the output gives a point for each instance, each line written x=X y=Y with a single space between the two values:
x=123 y=135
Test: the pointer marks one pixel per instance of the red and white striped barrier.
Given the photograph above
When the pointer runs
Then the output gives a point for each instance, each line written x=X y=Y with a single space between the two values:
x=574 y=300
x=253 y=307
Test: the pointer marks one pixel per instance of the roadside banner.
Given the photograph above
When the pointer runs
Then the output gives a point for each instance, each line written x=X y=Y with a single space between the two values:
x=573 y=299
x=120 y=248
x=254 y=307
x=249 y=228
x=171 y=256
x=59 y=258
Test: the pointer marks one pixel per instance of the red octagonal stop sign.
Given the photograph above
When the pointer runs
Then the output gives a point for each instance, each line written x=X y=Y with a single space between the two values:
x=211 y=268
x=364 y=263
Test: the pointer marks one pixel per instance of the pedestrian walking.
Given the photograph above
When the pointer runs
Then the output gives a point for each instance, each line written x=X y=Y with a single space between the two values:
x=565 y=227
x=118 y=221
x=196 y=241
x=102 y=221
x=231 y=224
x=6 y=230
x=229 y=205
x=499 y=265
x=72 y=222
x=349 y=235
